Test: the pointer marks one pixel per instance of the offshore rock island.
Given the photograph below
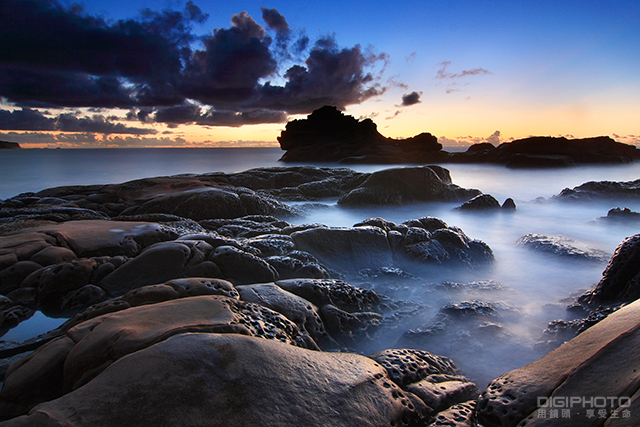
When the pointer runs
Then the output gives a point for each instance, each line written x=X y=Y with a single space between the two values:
x=327 y=135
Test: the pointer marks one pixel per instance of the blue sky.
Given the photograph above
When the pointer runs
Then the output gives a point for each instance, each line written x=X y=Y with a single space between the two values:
x=469 y=71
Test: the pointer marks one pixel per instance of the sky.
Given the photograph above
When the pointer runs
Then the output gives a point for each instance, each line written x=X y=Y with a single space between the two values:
x=142 y=73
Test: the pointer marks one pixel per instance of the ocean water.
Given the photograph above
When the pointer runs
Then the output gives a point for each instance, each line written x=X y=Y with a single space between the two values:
x=536 y=284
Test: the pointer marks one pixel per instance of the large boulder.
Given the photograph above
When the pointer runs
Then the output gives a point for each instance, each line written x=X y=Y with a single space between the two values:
x=231 y=380
x=601 y=190
x=406 y=185
x=563 y=247
x=588 y=381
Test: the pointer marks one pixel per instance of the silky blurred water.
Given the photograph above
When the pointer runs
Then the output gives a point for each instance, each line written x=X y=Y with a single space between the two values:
x=537 y=283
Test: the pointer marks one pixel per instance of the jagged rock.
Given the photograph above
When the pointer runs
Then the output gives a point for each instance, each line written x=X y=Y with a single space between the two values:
x=87 y=349
x=339 y=293
x=599 y=363
x=195 y=377
x=298 y=310
x=563 y=247
x=621 y=279
x=405 y=185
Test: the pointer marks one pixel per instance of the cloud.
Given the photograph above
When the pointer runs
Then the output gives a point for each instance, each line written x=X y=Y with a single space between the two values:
x=156 y=68
x=411 y=99
x=444 y=74
x=34 y=120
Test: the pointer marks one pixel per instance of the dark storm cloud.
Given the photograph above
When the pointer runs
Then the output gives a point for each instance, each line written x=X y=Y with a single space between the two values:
x=34 y=120
x=191 y=114
x=411 y=99
x=331 y=76
x=57 y=56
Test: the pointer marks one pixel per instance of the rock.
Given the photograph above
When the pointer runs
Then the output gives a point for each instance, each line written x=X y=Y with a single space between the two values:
x=408 y=366
x=460 y=415
x=55 y=282
x=9 y=145
x=88 y=348
x=53 y=255
x=405 y=185
x=601 y=190
x=196 y=286
x=271 y=244
x=157 y=264
x=621 y=278
x=509 y=204
x=99 y=238
x=563 y=247
x=241 y=268
x=480 y=202
x=339 y=293
x=523 y=160
x=293 y=266
x=195 y=377
x=346 y=248
x=12 y=277
x=82 y=298
x=620 y=216
x=600 y=363
x=298 y=310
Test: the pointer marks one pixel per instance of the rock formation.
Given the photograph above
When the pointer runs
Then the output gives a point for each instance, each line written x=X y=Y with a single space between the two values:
x=327 y=135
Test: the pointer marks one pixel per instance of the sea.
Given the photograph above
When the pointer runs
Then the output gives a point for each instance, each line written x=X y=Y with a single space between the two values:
x=539 y=286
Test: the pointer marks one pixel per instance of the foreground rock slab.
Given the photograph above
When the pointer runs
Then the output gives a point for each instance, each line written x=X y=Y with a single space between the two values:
x=231 y=380
x=600 y=366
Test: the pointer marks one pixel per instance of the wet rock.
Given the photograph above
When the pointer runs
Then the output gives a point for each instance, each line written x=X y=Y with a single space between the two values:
x=563 y=247
x=407 y=366
x=339 y=293
x=621 y=278
x=87 y=349
x=301 y=387
x=404 y=185
x=298 y=310
x=241 y=268
x=620 y=216
x=271 y=244
x=346 y=248
x=350 y=328
x=460 y=415
x=150 y=294
x=600 y=362
x=480 y=203
x=293 y=266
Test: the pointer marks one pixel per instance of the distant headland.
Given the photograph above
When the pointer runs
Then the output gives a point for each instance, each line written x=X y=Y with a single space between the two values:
x=328 y=135
x=5 y=145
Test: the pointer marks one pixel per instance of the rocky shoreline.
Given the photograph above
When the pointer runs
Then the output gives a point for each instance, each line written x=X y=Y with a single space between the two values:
x=198 y=297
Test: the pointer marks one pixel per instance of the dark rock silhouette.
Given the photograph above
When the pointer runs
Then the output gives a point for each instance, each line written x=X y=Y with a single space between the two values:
x=9 y=145
x=330 y=136
x=327 y=135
